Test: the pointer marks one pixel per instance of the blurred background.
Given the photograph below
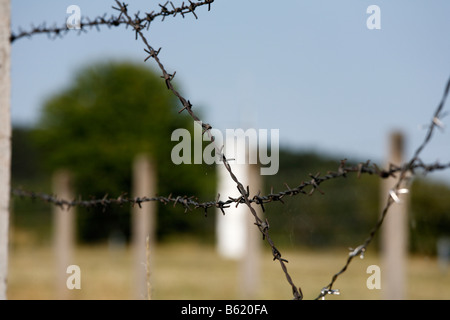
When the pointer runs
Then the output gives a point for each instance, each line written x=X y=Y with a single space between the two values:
x=87 y=102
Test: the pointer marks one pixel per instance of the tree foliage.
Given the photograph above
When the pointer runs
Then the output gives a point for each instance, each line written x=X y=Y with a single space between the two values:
x=111 y=113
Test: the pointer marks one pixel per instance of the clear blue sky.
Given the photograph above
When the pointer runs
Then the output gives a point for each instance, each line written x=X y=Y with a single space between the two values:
x=311 y=69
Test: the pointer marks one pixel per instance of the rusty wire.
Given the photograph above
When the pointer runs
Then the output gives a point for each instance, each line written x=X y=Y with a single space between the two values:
x=191 y=203
x=138 y=26
x=114 y=21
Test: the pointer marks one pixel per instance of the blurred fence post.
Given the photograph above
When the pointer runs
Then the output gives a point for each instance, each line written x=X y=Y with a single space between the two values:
x=143 y=223
x=64 y=231
x=250 y=264
x=5 y=140
x=231 y=227
x=237 y=236
x=394 y=235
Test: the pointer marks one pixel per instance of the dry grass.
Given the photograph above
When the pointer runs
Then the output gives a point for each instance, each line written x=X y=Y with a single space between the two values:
x=188 y=270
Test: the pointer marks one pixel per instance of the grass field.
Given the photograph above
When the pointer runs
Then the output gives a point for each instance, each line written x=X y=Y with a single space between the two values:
x=188 y=270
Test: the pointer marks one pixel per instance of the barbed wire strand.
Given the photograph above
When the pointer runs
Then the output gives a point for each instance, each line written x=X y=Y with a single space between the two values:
x=296 y=291
x=263 y=226
x=139 y=24
x=399 y=187
x=86 y=23
x=191 y=202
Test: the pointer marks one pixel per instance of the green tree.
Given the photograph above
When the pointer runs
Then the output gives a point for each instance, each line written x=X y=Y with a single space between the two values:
x=112 y=112
x=429 y=215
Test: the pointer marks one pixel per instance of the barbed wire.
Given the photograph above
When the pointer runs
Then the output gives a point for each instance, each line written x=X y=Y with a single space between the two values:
x=401 y=186
x=190 y=203
x=139 y=24
x=114 y=21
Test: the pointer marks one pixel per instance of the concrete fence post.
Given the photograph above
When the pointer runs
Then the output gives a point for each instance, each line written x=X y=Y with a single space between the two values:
x=5 y=140
x=64 y=231
x=143 y=223
x=394 y=233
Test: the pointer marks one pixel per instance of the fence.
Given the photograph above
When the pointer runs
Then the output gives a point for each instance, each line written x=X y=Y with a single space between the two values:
x=141 y=22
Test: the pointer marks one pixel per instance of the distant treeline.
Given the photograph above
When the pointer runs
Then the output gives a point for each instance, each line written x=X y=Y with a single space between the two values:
x=342 y=216
x=350 y=207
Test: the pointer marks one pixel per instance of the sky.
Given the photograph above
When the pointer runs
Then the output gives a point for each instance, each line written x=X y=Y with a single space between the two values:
x=312 y=69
